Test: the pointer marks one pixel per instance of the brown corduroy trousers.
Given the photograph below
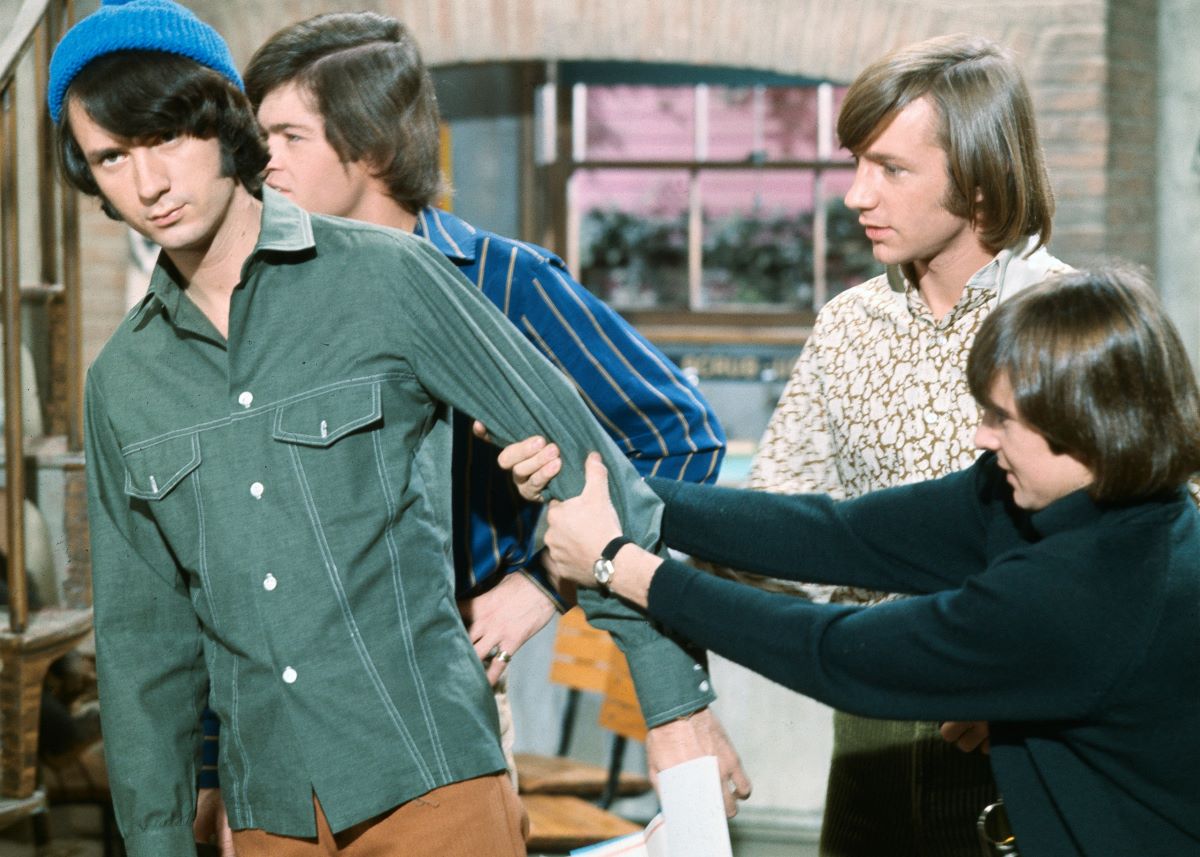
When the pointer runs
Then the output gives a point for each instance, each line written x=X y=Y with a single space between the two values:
x=481 y=817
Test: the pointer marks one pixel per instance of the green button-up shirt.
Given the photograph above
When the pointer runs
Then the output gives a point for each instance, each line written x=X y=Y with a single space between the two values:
x=270 y=523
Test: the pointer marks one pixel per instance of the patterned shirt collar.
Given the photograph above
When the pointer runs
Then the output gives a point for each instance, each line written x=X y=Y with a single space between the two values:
x=1009 y=271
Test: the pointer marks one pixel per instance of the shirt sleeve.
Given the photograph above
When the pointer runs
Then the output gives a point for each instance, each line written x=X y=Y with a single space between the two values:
x=655 y=415
x=467 y=354
x=151 y=673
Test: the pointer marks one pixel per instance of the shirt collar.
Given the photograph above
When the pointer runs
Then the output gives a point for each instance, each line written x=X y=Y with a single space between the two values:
x=286 y=228
x=1008 y=272
x=453 y=236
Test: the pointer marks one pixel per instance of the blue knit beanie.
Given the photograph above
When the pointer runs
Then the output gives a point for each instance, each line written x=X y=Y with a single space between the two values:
x=135 y=25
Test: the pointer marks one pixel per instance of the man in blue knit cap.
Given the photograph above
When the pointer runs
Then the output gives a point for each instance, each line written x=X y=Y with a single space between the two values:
x=268 y=444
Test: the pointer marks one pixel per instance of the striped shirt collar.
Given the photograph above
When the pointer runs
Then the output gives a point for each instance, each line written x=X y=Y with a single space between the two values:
x=454 y=237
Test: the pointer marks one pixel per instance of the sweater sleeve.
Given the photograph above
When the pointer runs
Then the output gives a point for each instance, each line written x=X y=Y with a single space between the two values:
x=911 y=539
x=994 y=649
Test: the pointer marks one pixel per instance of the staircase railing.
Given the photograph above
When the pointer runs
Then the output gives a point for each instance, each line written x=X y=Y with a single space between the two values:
x=30 y=643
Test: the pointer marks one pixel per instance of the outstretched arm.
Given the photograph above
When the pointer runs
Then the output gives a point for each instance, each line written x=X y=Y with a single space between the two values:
x=467 y=355
x=994 y=649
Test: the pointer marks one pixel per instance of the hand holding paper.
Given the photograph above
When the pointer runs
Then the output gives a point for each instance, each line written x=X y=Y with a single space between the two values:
x=692 y=822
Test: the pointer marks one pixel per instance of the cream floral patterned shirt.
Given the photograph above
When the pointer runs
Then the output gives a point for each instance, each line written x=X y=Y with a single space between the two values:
x=879 y=395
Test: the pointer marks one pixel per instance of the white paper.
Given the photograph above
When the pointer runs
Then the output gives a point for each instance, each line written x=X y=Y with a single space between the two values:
x=694 y=809
x=692 y=822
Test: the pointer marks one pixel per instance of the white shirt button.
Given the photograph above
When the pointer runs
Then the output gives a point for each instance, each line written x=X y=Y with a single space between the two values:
x=246 y=399
x=704 y=687
x=256 y=490
x=269 y=583
x=289 y=675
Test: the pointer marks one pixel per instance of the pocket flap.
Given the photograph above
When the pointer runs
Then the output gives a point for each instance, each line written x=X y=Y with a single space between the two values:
x=322 y=419
x=151 y=472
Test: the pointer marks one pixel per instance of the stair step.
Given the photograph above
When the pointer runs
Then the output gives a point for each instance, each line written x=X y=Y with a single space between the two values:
x=13 y=810
x=52 y=629
x=41 y=292
x=24 y=659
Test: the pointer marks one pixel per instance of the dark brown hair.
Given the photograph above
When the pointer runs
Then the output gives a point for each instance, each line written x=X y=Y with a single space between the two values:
x=1097 y=369
x=986 y=127
x=366 y=78
x=148 y=96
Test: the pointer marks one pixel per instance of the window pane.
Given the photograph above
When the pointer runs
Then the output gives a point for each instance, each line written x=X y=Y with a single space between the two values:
x=633 y=235
x=774 y=123
x=640 y=123
x=734 y=131
x=790 y=123
x=758 y=238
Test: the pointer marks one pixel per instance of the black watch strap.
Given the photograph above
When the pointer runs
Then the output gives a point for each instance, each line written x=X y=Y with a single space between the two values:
x=610 y=550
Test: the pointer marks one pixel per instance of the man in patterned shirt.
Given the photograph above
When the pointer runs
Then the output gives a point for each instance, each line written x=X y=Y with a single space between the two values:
x=952 y=192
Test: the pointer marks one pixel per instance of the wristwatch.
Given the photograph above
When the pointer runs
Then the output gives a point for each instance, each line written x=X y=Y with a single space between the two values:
x=602 y=569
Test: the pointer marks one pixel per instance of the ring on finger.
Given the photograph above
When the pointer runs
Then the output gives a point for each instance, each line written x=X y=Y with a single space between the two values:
x=503 y=656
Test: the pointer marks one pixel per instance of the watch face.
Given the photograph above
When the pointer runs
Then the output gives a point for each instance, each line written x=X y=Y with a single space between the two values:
x=602 y=570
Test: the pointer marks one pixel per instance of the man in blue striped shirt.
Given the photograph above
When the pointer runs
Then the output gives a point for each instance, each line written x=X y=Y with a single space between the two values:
x=353 y=130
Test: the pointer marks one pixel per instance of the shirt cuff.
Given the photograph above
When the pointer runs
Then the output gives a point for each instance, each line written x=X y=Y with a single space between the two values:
x=176 y=841
x=537 y=573
x=671 y=681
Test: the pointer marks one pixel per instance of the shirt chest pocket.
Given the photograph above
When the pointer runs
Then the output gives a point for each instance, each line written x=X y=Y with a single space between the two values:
x=323 y=419
x=152 y=472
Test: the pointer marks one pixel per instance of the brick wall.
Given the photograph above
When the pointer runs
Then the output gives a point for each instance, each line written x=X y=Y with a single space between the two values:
x=1132 y=115
x=1089 y=64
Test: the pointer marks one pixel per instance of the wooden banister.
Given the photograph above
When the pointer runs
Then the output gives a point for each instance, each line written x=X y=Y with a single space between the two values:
x=30 y=642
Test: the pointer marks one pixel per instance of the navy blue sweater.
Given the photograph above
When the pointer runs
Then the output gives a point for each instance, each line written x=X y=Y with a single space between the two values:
x=1074 y=630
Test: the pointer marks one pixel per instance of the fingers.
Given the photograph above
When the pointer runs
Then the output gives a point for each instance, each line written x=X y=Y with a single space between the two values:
x=540 y=478
x=952 y=730
x=495 y=658
x=967 y=735
x=731 y=804
x=486 y=649
x=481 y=431
x=516 y=453
x=494 y=671
x=595 y=476
x=739 y=784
